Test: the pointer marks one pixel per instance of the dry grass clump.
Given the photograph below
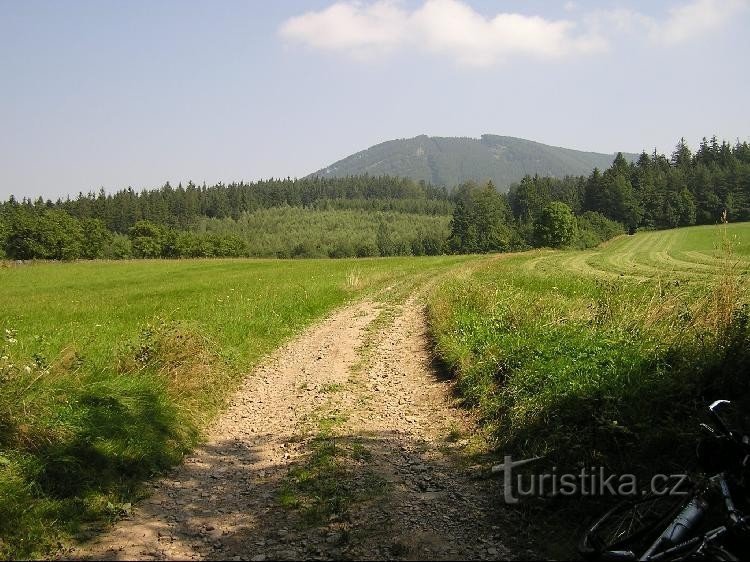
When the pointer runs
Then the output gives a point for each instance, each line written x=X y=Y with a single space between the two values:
x=353 y=280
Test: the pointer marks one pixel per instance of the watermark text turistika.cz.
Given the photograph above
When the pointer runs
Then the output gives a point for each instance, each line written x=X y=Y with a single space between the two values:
x=588 y=482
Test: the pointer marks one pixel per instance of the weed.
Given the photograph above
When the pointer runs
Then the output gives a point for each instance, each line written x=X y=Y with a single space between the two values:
x=454 y=434
x=333 y=477
x=353 y=280
x=331 y=388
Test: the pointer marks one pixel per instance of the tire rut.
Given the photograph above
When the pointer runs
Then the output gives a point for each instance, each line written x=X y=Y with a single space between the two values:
x=343 y=443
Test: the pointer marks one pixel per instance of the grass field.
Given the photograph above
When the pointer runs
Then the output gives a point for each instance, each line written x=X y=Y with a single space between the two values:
x=109 y=370
x=601 y=358
x=585 y=355
x=687 y=254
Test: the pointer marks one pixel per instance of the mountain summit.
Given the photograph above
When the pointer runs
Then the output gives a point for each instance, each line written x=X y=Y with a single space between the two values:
x=450 y=161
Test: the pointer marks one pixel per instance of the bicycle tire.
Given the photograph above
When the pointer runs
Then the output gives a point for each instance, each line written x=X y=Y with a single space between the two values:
x=632 y=525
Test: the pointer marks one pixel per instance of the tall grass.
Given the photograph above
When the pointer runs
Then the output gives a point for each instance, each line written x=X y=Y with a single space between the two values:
x=595 y=370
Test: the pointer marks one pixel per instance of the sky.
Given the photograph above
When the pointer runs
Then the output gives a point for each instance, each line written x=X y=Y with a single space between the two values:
x=110 y=94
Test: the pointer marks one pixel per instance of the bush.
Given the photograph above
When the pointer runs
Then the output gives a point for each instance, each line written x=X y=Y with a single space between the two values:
x=342 y=249
x=118 y=248
x=4 y=233
x=594 y=228
x=367 y=250
x=32 y=234
x=556 y=227
x=433 y=244
x=307 y=249
x=96 y=238
x=147 y=239
x=229 y=246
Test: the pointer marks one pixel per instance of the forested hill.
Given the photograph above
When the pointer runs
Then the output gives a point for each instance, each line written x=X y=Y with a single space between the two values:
x=450 y=161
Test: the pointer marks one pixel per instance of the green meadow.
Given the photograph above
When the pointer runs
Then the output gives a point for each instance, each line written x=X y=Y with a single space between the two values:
x=109 y=370
x=601 y=356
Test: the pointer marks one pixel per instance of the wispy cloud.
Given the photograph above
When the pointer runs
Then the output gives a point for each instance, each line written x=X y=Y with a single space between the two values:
x=695 y=19
x=454 y=29
x=450 y=27
x=457 y=30
x=352 y=27
x=683 y=23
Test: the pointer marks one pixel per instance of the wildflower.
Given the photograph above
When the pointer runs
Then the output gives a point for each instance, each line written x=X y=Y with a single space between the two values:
x=27 y=369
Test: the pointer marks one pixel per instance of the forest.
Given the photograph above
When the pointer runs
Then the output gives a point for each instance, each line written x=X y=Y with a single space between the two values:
x=362 y=216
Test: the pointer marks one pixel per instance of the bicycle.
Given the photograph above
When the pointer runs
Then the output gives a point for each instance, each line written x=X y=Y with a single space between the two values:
x=660 y=528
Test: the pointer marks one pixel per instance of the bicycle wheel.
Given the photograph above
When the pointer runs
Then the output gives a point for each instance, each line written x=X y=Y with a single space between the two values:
x=632 y=525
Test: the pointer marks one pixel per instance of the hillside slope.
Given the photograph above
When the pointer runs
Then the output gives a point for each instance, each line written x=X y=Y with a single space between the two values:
x=450 y=161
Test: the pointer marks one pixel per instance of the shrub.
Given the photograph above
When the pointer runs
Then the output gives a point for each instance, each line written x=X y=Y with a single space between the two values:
x=42 y=234
x=119 y=248
x=556 y=227
x=147 y=239
x=594 y=228
x=96 y=238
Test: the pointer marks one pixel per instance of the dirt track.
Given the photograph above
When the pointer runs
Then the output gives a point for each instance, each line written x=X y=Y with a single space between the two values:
x=342 y=444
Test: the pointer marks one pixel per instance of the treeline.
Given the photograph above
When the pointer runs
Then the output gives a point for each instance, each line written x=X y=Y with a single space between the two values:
x=357 y=216
x=298 y=232
x=654 y=192
x=484 y=221
x=384 y=216
x=30 y=233
x=284 y=232
x=180 y=207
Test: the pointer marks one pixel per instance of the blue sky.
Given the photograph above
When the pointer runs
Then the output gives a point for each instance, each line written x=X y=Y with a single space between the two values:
x=115 y=94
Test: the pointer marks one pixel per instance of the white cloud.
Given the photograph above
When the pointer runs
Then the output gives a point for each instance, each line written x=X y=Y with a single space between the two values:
x=619 y=20
x=454 y=29
x=683 y=23
x=356 y=28
x=451 y=27
x=695 y=19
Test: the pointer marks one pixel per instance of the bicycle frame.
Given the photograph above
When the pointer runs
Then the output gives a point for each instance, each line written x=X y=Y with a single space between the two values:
x=680 y=537
x=673 y=542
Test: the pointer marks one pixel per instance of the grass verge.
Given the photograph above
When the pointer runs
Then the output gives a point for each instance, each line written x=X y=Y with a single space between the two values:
x=587 y=370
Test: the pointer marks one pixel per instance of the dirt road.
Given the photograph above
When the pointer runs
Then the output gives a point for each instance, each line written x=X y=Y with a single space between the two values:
x=344 y=443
